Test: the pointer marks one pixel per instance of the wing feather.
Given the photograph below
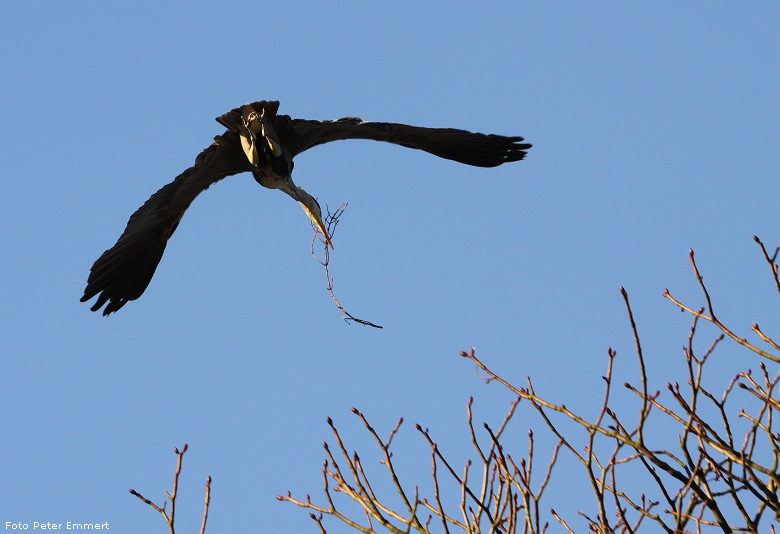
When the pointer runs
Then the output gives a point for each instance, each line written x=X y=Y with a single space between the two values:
x=480 y=150
x=123 y=272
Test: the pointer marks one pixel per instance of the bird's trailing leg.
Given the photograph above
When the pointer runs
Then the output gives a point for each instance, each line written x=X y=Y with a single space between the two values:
x=258 y=123
x=269 y=133
x=249 y=141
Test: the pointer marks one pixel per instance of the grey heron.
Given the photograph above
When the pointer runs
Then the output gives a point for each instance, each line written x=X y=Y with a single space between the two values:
x=259 y=141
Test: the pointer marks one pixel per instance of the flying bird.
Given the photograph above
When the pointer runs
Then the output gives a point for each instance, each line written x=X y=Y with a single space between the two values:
x=259 y=141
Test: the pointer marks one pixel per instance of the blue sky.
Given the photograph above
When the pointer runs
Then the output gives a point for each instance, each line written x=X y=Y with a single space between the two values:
x=655 y=130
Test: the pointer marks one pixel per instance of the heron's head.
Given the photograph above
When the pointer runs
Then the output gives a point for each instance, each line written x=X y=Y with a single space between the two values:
x=310 y=206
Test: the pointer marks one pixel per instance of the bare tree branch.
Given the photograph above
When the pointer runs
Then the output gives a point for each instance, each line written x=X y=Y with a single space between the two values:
x=710 y=479
x=169 y=518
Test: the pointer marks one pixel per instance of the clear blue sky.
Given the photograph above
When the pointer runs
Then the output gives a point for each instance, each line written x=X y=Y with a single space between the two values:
x=655 y=130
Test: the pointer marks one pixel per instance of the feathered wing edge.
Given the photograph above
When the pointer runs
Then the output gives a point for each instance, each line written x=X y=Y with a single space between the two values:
x=123 y=272
x=480 y=150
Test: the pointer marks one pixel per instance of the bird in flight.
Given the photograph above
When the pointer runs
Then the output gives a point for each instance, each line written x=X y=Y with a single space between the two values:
x=259 y=141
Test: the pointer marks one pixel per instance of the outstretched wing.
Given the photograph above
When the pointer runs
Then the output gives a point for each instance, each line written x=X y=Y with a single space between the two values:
x=297 y=135
x=124 y=271
x=480 y=150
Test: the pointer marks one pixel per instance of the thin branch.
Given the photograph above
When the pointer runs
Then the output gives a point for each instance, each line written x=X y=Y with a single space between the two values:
x=206 y=505
x=331 y=221
x=169 y=519
x=711 y=317
x=771 y=261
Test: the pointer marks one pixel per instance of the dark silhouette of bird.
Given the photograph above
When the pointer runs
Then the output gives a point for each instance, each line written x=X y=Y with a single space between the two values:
x=264 y=143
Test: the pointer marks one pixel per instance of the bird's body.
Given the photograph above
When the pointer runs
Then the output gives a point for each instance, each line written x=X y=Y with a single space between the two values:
x=259 y=141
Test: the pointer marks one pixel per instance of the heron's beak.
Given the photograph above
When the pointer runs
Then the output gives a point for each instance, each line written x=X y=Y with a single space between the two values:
x=316 y=218
x=312 y=209
x=309 y=205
